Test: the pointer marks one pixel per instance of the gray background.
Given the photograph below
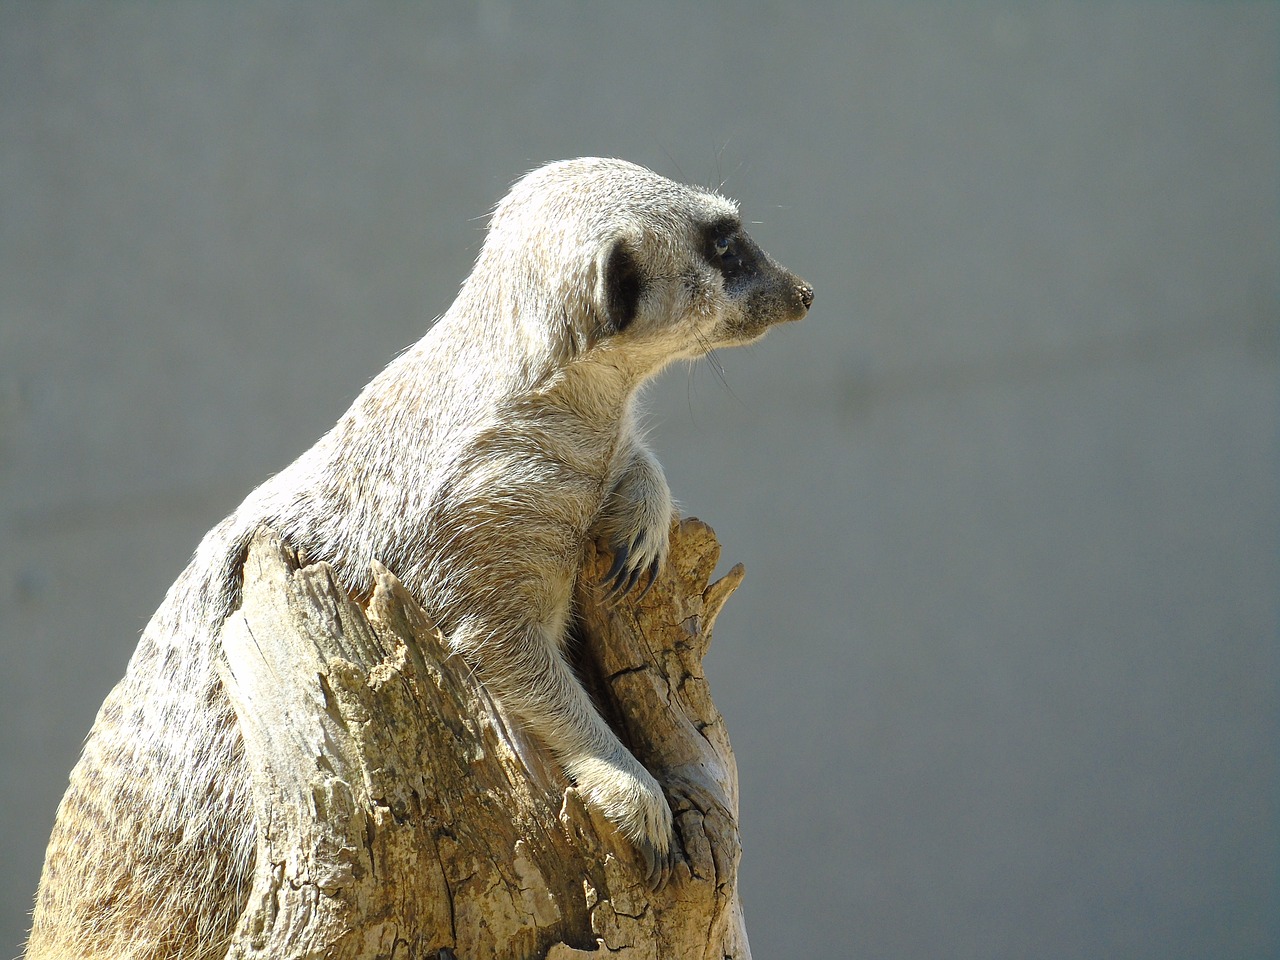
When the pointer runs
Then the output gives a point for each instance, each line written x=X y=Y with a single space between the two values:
x=1002 y=679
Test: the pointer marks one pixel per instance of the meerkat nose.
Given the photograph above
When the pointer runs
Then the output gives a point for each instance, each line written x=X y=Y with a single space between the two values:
x=805 y=293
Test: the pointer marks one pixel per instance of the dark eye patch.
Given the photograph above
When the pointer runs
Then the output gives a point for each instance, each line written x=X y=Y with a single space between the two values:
x=718 y=238
x=728 y=249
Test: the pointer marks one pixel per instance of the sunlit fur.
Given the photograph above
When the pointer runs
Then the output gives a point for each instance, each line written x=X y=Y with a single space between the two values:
x=475 y=466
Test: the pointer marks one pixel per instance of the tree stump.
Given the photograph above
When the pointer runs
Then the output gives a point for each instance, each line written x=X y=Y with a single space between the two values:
x=402 y=815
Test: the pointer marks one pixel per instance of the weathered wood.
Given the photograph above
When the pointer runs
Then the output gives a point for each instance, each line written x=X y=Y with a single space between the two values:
x=402 y=815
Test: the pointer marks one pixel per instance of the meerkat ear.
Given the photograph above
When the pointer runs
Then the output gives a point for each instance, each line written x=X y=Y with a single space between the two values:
x=619 y=285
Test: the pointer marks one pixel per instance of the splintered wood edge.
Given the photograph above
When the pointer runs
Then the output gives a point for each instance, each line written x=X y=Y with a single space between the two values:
x=714 y=597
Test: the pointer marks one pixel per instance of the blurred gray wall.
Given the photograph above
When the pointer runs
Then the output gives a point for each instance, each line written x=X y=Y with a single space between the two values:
x=1002 y=680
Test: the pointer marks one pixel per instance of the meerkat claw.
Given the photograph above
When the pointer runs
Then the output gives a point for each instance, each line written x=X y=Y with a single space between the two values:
x=613 y=578
x=656 y=866
x=632 y=579
x=623 y=575
x=654 y=569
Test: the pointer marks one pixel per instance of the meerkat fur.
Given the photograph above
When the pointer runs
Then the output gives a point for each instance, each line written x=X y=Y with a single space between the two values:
x=475 y=466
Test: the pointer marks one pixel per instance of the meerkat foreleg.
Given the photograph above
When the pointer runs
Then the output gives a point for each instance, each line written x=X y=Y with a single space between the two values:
x=636 y=523
x=525 y=669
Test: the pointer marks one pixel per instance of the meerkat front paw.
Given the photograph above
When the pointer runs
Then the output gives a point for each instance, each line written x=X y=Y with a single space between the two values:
x=641 y=558
x=636 y=524
x=629 y=797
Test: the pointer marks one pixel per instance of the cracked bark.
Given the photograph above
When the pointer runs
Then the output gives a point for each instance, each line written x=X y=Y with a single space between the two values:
x=407 y=818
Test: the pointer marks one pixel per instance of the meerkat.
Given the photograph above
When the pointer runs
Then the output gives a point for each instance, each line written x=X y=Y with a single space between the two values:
x=475 y=467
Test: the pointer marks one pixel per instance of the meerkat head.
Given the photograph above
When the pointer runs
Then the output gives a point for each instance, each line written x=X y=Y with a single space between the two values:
x=637 y=267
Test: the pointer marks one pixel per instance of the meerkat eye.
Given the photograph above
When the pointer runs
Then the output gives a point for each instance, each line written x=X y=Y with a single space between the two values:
x=725 y=253
x=725 y=248
x=728 y=249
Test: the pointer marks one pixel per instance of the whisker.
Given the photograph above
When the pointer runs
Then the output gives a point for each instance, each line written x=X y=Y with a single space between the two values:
x=709 y=354
x=672 y=161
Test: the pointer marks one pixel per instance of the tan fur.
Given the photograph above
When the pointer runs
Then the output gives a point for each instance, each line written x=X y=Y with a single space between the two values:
x=475 y=467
